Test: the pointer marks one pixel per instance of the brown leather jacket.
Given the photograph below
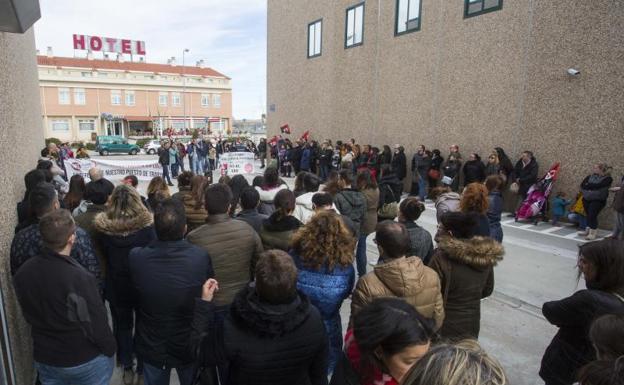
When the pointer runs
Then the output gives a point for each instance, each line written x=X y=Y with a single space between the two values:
x=234 y=248
x=406 y=278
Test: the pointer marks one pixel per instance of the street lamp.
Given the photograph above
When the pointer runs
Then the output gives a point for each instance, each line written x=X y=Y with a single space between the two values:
x=184 y=88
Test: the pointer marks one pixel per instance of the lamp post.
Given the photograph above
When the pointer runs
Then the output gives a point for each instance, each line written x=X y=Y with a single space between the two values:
x=184 y=87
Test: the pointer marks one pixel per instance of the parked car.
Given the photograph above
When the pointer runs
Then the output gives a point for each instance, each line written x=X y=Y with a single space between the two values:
x=106 y=145
x=151 y=147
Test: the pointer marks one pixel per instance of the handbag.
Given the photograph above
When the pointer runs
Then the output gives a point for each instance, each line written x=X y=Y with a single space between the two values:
x=434 y=174
x=389 y=210
x=514 y=187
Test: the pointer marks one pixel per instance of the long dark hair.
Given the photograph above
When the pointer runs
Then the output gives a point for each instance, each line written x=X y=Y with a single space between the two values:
x=76 y=192
x=607 y=258
x=389 y=324
x=237 y=184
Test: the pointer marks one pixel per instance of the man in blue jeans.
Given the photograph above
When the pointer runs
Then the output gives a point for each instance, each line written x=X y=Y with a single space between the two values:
x=168 y=275
x=60 y=299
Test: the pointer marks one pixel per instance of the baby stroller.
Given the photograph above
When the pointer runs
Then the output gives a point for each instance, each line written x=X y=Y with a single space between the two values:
x=535 y=206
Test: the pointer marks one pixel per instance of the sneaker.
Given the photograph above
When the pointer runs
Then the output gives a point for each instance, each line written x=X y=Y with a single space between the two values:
x=139 y=380
x=170 y=184
x=128 y=376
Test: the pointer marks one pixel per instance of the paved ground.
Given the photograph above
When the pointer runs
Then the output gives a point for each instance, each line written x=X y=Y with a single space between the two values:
x=539 y=266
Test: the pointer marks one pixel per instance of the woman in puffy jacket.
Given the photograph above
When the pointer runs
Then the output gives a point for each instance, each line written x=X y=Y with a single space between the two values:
x=323 y=253
x=595 y=189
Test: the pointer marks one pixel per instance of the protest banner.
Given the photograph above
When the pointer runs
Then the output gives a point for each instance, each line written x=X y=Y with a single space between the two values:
x=114 y=169
x=233 y=163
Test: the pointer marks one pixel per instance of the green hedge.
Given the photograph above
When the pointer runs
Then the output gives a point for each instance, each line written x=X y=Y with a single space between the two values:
x=56 y=141
x=142 y=142
x=90 y=146
x=76 y=144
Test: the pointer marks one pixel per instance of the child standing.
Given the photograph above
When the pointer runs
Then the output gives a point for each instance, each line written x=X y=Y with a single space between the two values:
x=559 y=207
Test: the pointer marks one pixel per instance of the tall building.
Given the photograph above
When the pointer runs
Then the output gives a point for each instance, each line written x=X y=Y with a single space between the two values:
x=85 y=97
x=541 y=75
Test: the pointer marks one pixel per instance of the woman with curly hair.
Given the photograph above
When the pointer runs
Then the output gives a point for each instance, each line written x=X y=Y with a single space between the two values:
x=196 y=213
x=323 y=253
x=474 y=200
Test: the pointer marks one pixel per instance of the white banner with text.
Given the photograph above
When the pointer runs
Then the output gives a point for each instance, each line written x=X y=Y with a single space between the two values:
x=114 y=169
x=233 y=163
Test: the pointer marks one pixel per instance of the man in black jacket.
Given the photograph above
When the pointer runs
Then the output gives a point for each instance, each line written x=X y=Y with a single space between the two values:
x=60 y=300
x=525 y=174
x=168 y=275
x=164 y=160
x=272 y=334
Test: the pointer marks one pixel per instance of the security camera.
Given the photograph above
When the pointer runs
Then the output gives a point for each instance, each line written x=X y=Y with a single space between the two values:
x=573 y=72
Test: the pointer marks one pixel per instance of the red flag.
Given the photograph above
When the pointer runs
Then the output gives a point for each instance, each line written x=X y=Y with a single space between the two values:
x=285 y=129
x=306 y=136
x=273 y=141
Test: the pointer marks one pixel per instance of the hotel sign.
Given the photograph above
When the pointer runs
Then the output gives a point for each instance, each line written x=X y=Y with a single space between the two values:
x=109 y=44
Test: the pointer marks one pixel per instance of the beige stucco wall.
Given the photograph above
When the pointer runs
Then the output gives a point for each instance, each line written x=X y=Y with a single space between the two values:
x=497 y=79
x=21 y=138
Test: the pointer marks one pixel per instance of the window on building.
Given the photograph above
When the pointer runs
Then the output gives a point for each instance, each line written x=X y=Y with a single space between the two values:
x=407 y=16
x=175 y=99
x=86 y=74
x=130 y=98
x=216 y=100
x=315 y=37
x=205 y=100
x=479 y=7
x=115 y=97
x=80 y=98
x=354 y=34
x=86 y=125
x=60 y=125
x=63 y=96
x=162 y=99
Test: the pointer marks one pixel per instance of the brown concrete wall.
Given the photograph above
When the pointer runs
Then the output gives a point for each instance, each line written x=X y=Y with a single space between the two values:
x=497 y=79
x=21 y=138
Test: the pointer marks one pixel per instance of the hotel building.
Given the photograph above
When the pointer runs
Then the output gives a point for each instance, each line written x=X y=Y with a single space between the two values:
x=85 y=97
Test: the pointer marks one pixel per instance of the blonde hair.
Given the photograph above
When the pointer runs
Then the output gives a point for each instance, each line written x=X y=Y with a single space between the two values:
x=462 y=363
x=125 y=203
x=157 y=184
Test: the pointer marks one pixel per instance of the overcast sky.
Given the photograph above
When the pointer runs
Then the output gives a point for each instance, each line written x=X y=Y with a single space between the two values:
x=230 y=35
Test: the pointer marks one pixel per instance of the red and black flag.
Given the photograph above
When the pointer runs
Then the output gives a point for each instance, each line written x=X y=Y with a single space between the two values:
x=285 y=129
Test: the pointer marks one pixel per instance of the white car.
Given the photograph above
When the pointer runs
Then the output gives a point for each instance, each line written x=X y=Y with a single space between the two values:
x=151 y=147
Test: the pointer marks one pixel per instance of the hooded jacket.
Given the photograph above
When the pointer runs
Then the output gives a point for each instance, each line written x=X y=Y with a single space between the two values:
x=466 y=271
x=266 y=206
x=304 y=208
x=234 y=248
x=399 y=165
x=406 y=278
x=116 y=238
x=276 y=233
x=447 y=202
x=351 y=203
x=263 y=343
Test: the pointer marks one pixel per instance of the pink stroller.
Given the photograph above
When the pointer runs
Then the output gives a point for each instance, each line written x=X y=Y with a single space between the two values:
x=535 y=206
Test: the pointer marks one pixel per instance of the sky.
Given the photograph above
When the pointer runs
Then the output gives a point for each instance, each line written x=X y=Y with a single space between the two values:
x=229 y=35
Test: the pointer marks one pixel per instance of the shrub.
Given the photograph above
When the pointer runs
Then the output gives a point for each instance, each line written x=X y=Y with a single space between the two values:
x=77 y=144
x=90 y=146
x=56 y=141
x=142 y=142
x=195 y=133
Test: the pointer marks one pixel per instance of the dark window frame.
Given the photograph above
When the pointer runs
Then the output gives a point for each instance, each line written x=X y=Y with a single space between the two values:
x=354 y=7
x=396 y=19
x=308 y=47
x=482 y=11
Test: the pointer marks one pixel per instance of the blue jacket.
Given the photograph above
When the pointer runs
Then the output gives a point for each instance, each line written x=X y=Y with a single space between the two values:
x=306 y=159
x=559 y=206
x=495 y=210
x=326 y=291
x=168 y=277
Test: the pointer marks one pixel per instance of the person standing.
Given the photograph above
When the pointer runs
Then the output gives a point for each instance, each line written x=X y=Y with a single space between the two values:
x=494 y=184
x=202 y=152
x=277 y=230
x=399 y=275
x=182 y=155
x=474 y=200
x=191 y=150
x=60 y=300
x=474 y=170
x=399 y=162
x=168 y=275
x=233 y=245
x=349 y=201
x=126 y=224
x=421 y=244
x=602 y=266
x=465 y=264
x=323 y=253
x=367 y=185
x=421 y=163
x=164 y=160
x=435 y=174
x=27 y=242
x=272 y=334
x=174 y=161
x=262 y=152
x=595 y=189
x=525 y=174
x=249 y=201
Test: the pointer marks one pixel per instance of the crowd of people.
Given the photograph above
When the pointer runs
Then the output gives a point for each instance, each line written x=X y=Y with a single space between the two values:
x=239 y=283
